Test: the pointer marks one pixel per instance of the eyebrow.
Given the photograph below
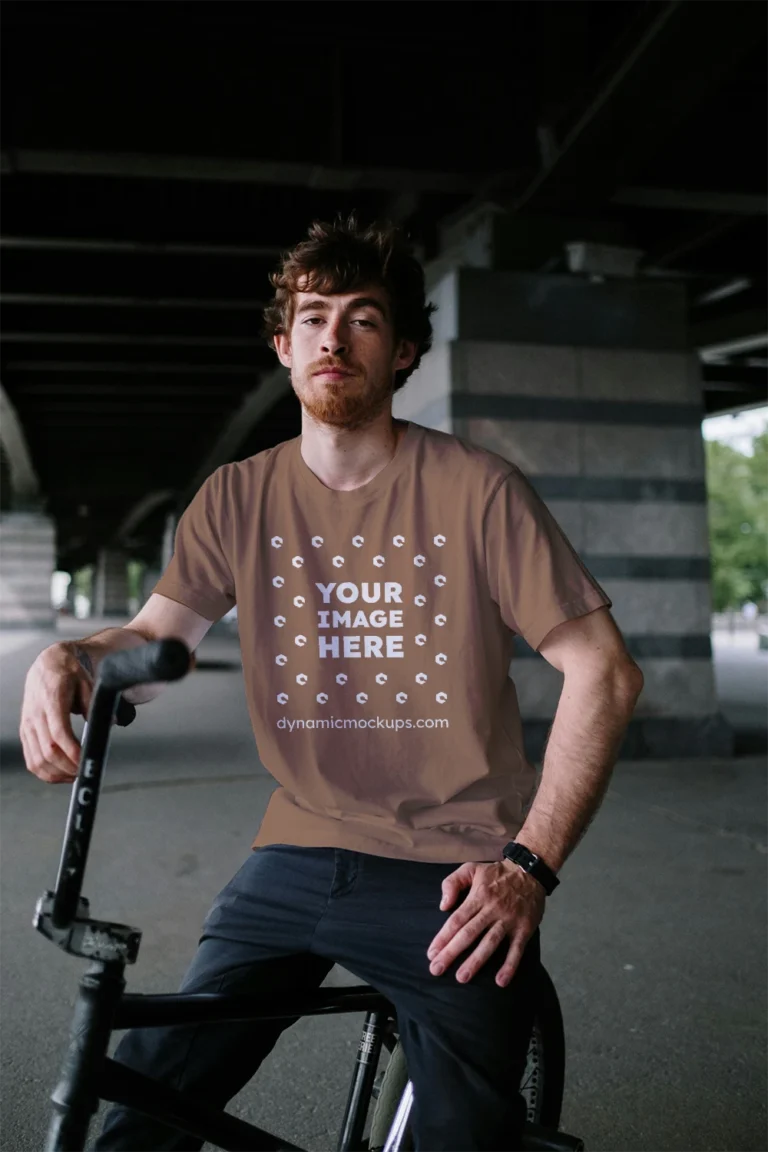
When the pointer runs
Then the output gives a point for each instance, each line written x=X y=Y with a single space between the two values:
x=358 y=302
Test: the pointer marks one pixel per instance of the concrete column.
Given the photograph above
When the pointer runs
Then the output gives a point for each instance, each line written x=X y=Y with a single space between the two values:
x=110 y=584
x=589 y=386
x=27 y=562
x=70 y=602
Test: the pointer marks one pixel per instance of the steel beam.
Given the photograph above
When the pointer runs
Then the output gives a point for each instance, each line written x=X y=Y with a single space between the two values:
x=733 y=347
x=135 y=247
x=129 y=338
x=676 y=200
x=37 y=298
x=650 y=93
x=723 y=403
x=730 y=333
x=87 y=390
x=340 y=178
x=735 y=378
x=731 y=287
x=137 y=368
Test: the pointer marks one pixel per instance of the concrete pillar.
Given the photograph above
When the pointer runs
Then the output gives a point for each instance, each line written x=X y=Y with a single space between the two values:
x=70 y=601
x=27 y=563
x=589 y=386
x=110 y=584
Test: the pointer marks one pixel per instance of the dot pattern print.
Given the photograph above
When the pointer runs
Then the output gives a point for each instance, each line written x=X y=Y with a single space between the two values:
x=345 y=619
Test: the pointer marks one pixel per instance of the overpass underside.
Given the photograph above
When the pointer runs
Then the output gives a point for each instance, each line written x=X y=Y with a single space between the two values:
x=584 y=182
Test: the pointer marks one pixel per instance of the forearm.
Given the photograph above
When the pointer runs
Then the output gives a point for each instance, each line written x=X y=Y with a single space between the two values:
x=589 y=726
x=91 y=650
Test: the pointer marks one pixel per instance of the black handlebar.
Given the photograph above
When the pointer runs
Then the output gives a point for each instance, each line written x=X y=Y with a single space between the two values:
x=126 y=713
x=159 y=660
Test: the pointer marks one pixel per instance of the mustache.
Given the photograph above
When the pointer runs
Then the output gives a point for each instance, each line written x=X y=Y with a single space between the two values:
x=326 y=367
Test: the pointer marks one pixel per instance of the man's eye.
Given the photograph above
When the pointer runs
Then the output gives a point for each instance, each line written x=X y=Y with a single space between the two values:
x=369 y=323
x=311 y=319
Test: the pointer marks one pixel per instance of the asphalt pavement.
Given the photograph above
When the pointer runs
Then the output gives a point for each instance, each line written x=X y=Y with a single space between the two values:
x=655 y=939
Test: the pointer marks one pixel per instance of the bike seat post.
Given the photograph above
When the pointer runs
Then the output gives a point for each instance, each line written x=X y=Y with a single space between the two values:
x=368 y=1052
x=76 y=1096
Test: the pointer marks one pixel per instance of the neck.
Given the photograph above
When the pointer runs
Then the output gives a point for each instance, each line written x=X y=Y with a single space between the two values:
x=344 y=459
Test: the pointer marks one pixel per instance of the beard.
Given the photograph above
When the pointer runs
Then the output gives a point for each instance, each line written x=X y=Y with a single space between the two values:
x=349 y=403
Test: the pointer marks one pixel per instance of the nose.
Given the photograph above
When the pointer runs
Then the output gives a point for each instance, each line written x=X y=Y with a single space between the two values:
x=334 y=343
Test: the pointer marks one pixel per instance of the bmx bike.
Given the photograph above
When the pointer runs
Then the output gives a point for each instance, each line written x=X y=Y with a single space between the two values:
x=102 y=1006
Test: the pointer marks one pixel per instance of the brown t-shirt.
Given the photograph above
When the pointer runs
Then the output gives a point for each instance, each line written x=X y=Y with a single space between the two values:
x=376 y=629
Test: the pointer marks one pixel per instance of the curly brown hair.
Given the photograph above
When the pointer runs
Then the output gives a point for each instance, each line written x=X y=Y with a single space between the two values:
x=343 y=256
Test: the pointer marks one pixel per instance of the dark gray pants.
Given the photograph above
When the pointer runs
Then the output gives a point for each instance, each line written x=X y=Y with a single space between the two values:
x=282 y=922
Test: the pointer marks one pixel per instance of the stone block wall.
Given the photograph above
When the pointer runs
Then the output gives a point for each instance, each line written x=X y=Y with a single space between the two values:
x=611 y=439
x=27 y=561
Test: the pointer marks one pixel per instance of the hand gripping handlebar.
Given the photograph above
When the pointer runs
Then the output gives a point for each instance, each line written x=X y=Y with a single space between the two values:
x=154 y=662
x=159 y=660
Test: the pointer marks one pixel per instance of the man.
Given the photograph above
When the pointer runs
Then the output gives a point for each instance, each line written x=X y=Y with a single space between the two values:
x=381 y=570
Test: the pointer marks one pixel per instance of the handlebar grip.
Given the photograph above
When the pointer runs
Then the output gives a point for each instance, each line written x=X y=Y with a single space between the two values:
x=158 y=660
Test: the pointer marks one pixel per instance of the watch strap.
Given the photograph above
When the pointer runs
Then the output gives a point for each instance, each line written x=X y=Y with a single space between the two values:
x=532 y=864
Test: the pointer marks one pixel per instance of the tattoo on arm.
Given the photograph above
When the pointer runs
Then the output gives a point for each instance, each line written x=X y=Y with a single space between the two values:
x=84 y=659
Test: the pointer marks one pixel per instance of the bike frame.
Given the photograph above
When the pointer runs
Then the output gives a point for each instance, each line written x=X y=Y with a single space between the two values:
x=102 y=1006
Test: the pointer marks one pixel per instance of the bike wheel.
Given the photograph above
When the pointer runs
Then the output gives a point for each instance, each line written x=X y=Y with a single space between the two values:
x=541 y=1084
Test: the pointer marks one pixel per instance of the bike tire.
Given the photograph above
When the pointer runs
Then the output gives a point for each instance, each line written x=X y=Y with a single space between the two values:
x=542 y=1083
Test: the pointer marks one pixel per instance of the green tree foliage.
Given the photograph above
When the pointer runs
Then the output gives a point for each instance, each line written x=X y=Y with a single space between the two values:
x=738 y=522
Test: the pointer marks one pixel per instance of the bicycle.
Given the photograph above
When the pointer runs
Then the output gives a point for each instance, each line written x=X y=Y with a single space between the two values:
x=102 y=1006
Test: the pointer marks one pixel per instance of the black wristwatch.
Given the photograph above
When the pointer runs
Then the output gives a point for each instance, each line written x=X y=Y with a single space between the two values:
x=532 y=863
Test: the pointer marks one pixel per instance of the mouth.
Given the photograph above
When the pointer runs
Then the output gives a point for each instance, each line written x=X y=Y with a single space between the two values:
x=332 y=373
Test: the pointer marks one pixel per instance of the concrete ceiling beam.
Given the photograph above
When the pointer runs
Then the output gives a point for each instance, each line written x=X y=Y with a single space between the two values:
x=332 y=178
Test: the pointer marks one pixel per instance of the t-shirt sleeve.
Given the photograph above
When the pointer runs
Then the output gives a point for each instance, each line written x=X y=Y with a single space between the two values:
x=534 y=574
x=199 y=573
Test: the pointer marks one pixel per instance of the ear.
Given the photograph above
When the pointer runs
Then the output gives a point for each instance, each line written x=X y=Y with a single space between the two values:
x=283 y=349
x=406 y=354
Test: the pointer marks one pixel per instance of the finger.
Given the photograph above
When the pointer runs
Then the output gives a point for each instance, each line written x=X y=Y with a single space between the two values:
x=29 y=744
x=460 y=941
x=54 y=757
x=510 y=965
x=34 y=759
x=452 y=925
x=485 y=949
x=62 y=733
x=450 y=887
x=453 y=883
x=470 y=905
